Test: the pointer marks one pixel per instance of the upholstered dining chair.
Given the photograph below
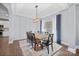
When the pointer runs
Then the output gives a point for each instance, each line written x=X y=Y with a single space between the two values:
x=48 y=42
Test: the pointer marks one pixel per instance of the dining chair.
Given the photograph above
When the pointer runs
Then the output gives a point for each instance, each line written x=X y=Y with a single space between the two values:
x=34 y=39
x=30 y=38
x=48 y=42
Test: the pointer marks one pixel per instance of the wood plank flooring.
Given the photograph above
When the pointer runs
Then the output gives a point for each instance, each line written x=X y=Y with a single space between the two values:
x=9 y=49
x=15 y=50
x=63 y=52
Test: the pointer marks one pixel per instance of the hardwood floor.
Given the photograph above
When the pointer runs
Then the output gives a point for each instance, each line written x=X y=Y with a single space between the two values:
x=63 y=52
x=4 y=46
x=15 y=50
x=9 y=49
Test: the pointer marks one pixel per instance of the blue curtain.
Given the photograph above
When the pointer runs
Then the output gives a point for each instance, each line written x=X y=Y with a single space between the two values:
x=58 y=28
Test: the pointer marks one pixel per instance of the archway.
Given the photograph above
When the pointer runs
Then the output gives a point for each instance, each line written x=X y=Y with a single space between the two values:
x=4 y=21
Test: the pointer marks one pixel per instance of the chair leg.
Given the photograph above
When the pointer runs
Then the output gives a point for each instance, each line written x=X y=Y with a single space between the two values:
x=48 y=49
x=52 y=46
x=32 y=43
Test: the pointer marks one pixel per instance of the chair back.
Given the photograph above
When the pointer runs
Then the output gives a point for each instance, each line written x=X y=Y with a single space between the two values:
x=33 y=36
x=50 y=38
x=27 y=35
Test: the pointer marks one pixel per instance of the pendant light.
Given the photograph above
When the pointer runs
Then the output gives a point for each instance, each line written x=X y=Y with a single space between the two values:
x=36 y=18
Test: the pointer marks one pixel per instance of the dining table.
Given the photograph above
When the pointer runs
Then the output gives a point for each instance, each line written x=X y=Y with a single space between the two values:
x=39 y=38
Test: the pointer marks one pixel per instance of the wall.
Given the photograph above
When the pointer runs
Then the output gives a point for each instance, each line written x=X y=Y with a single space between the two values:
x=36 y=26
x=54 y=27
x=77 y=25
x=19 y=25
x=68 y=26
x=68 y=32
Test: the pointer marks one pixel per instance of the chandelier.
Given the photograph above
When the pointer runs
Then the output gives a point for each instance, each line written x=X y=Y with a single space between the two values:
x=36 y=19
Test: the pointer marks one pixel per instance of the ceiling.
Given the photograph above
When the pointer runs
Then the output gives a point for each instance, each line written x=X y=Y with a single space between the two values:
x=44 y=9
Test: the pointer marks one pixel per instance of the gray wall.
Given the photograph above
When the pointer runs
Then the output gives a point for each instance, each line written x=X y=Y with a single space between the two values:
x=19 y=25
x=77 y=24
x=68 y=32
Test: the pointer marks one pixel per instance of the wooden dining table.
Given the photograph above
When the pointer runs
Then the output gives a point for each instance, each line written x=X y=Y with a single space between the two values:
x=39 y=38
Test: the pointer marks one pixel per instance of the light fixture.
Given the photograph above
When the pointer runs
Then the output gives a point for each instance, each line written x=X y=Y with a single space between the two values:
x=36 y=19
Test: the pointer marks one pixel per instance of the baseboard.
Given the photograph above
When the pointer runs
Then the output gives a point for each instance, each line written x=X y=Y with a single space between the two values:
x=73 y=50
x=11 y=41
x=64 y=43
x=21 y=39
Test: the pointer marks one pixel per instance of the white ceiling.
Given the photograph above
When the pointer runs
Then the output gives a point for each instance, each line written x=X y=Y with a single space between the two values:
x=44 y=9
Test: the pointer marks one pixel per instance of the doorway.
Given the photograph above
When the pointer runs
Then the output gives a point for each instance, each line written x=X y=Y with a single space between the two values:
x=58 y=28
